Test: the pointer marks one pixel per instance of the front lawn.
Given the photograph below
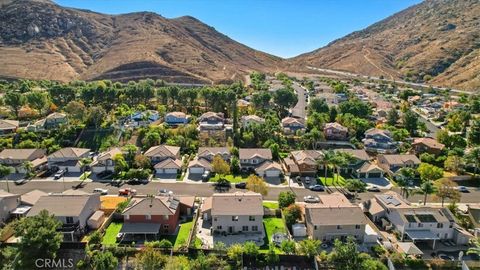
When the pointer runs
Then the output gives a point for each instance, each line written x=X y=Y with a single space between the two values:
x=271 y=205
x=110 y=237
x=331 y=180
x=229 y=177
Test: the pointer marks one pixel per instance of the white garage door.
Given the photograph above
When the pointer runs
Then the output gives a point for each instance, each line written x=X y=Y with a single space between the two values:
x=196 y=170
x=170 y=171
x=272 y=173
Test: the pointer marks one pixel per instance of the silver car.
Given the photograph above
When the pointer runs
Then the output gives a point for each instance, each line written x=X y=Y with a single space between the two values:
x=311 y=199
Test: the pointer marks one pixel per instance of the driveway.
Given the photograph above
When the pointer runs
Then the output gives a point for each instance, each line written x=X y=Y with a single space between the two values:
x=299 y=109
x=166 y=177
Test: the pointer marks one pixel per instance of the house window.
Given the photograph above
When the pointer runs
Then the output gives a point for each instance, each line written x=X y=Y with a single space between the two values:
x=357 y=227
x=420 y=225
x=439 y=225
x=254 y=228
x=219 y=227
x=251 y=218
x=215 y=219
x=69 y=220
x=127 y=217
x=148 y=217
x=339 y=227
x=315 y=227
x=165 y=226
x=245 y=228
x=234 y=218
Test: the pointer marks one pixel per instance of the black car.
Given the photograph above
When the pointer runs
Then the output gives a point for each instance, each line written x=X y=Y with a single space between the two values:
x=136 y=181
x=241 y=185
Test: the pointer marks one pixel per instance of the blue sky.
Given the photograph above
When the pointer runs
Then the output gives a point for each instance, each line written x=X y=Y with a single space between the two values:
x=281 y=27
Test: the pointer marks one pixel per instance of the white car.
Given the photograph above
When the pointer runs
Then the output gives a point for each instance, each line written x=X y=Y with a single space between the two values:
x=373 y=189
x=463 y=189
x=102 y=191
x=311 y=199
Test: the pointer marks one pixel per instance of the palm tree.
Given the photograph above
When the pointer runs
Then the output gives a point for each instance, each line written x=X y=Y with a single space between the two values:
x=473 y=158
x=355 y=185
x=28 y=167
x=326 y=161
x=404 y=176
x=427 y=188
x=337 y=161
x=4 y=172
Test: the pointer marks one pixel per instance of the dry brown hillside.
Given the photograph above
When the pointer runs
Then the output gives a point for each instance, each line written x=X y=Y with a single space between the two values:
x=436 y=41
x=41 y=40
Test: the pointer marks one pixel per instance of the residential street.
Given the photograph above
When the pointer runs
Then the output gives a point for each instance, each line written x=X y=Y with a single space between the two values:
x=432 y=129
x=201 y=190
x=299 y=109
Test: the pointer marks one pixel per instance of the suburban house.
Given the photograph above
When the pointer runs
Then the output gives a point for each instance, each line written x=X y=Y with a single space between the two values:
x=105 y=161
x=8 y=126
x=414 y=224
x=18 y=157
x=51 y=121
x=303 y=162
x=160 y=153
x=8 y=203
x=168 y=166
x=234 y=212
x=248 y=120
x=202 y=162
x=151 y=216
x=176 y=118
x=291 y=125
x=379 y=141
x=144 y=118
x=211 y=121
x=369 y=170
x=427 y=145
x=73 y=211
x=360 y=156
x=259 y=160
x=335 y=217
x=68 y=159
x=392 y=163
x=32 y=197
x=335 y=131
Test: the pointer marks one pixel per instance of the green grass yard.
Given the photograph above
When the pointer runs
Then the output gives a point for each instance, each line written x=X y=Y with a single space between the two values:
x=110 y=237
x=272 y=225
x=230 y=177
x=95 y=139
x=331 y=181
x=182 y=235
x=271 y=205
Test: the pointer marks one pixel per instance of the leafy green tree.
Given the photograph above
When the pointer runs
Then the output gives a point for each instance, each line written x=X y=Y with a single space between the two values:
x=473 y=158
x=96 y=116
x=271 y=257
x=410 y=122
x=474 y=133
x=446 y=189
x=103 y=260
x=4 y=172
x=220 y=166
x=285 y=98
x=76 y=110
x=251 y=249
x=288 y=246
x=37 y=100
x=309 y=247
x=235 y=253
x=404 y=176
x=318 y=105
x=15 y=101
x=392 y=117
x=346 y=256
x=455 y=164
x=326 y=161
x=429 y=172
x=356 y=107
x=475 y=249
x=286 y=198
x=275 y=148
x=150 y=259
x=173 y=92
x=257 y=184
x=61 y=94
x=38 y=239
x=426 y=189
x=355 y=185
x=291 y=214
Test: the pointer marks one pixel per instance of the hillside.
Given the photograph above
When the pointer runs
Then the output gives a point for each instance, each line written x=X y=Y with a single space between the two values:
x=41 y=40
x=436 y=41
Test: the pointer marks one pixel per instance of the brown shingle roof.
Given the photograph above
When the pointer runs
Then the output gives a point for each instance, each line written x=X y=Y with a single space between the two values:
x=61 y=205
x=360 y=154
x=200 y=162
x=335 y=125
x=162 y=151
x=291 y=120
x=307 y=156
x=237 y=203
x=205 y=151
x=169 y=164
x=154 y=206
x=248 y=153
x=400 y=159
x=32 y=197
x=25 y=154
x=431 y=143
x=340 y=215
x=69 y=152
x=8 y=124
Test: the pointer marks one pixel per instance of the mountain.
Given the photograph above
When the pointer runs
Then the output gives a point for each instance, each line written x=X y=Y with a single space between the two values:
x=436 y=41
x=42 y=40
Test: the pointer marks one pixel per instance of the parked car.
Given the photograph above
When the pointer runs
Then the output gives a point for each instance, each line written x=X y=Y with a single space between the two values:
x=446 y=257
x=311 y=199
x=373 y=189
x=206 y=176
x=298 y=179
x=102 y=191
x=241 y=185
x=127 y=192
x=165 y=192
x=307 y=180
x=21 y=181
x=136 y=181
x=463 y=189
x=104 y=174
x=59 y=174
x=316 y=188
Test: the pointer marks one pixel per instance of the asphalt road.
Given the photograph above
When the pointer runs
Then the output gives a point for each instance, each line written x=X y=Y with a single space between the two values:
x=299 y=109
x=201 y=190
x=432 y=129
